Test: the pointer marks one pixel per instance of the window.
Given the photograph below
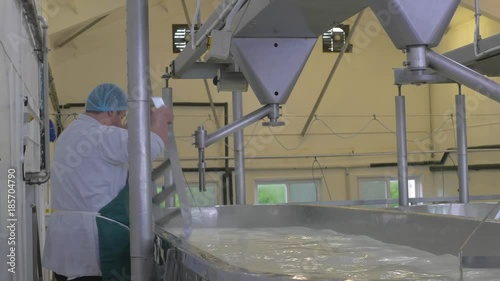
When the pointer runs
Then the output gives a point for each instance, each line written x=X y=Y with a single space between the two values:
x=335 y=38
x=180 y=37
x=280 y=192
x=386 y=188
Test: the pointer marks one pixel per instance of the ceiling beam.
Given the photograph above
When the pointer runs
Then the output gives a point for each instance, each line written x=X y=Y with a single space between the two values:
x=61 y=15
x=65 y=41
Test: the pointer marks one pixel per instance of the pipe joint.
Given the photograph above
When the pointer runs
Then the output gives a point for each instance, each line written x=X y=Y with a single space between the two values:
x=200 y=136
x=274 y=115
x=416 y=59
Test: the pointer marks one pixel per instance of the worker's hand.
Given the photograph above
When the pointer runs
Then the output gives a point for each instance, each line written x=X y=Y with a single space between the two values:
x=159 y=120
x=162 y=115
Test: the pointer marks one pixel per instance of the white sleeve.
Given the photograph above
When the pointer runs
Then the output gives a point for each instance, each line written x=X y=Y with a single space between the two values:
x=115 y=145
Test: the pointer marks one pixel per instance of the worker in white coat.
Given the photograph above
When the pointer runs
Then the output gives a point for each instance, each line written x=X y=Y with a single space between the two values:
x=88 y=234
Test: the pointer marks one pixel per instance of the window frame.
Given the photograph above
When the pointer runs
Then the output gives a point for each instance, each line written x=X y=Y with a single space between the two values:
x=316 y=182
x=387 y=180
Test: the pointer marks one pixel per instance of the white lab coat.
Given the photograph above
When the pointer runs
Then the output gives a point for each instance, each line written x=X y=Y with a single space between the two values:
x=89 y=169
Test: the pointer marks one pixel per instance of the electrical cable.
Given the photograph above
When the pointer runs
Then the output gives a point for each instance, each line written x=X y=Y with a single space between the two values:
x=348 y=137
x=322 y=174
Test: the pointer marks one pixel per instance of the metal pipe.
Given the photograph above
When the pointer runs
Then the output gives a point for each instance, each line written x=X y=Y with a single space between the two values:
x=402 y=149
x=32 y=18
x=240 y=124
x=230 y=17
x=139 y=145
x=202 y=140
x=45 y=97
x=227 y=9
x=201 y=170
x=239 y=150
x=228 y=192
x=440 y=168
x=477 y=34
x=431 y=126
x=189 y=56
x=55 y=102
x=40 y=42
x=330 y=76
x=464 y=75
x=367 y=154
x=416 y=59
x=463 y=172
x=168 y=178
x=474 y=167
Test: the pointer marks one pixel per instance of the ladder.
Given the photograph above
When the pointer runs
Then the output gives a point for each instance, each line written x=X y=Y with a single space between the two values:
x=175 y=183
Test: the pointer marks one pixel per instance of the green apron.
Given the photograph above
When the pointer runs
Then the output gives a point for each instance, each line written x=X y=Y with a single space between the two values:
x=114 y=237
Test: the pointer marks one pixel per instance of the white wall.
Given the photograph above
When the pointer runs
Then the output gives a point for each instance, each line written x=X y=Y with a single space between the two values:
x=361 y=88
x=19 y=78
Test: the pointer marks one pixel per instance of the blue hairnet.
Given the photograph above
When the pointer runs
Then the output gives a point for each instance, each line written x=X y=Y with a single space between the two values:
x=106 y=97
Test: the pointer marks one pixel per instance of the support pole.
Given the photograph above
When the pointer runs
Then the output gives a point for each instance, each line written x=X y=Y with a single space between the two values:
x=239 y=152
x=168 y=178
x=139 y=144
x=402 y=149
x=463 y=172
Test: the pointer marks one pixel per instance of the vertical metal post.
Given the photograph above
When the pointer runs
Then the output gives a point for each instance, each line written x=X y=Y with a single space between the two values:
x=463 y=172
x=228 y=184
x=139 y=144
x=168 y=178
x=45 y=98
x=402 y=149
x=239 y=152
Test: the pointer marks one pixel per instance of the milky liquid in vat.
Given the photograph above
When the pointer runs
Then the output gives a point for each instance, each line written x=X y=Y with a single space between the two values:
x=304 y=253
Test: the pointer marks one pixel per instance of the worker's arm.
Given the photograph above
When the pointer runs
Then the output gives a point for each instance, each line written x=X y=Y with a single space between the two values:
x=160 y=118
x=114 y=144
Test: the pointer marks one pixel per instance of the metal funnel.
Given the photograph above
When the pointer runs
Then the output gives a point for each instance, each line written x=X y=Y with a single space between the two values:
x=272 y=65
x=414 y=22
x=274 y=38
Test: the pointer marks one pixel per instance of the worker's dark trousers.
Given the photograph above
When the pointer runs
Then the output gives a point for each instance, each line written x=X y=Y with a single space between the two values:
x=85 y=278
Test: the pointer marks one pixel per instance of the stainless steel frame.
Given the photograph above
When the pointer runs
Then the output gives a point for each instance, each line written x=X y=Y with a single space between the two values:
x=402 y=149
x=239 y=150
x=463 y=168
